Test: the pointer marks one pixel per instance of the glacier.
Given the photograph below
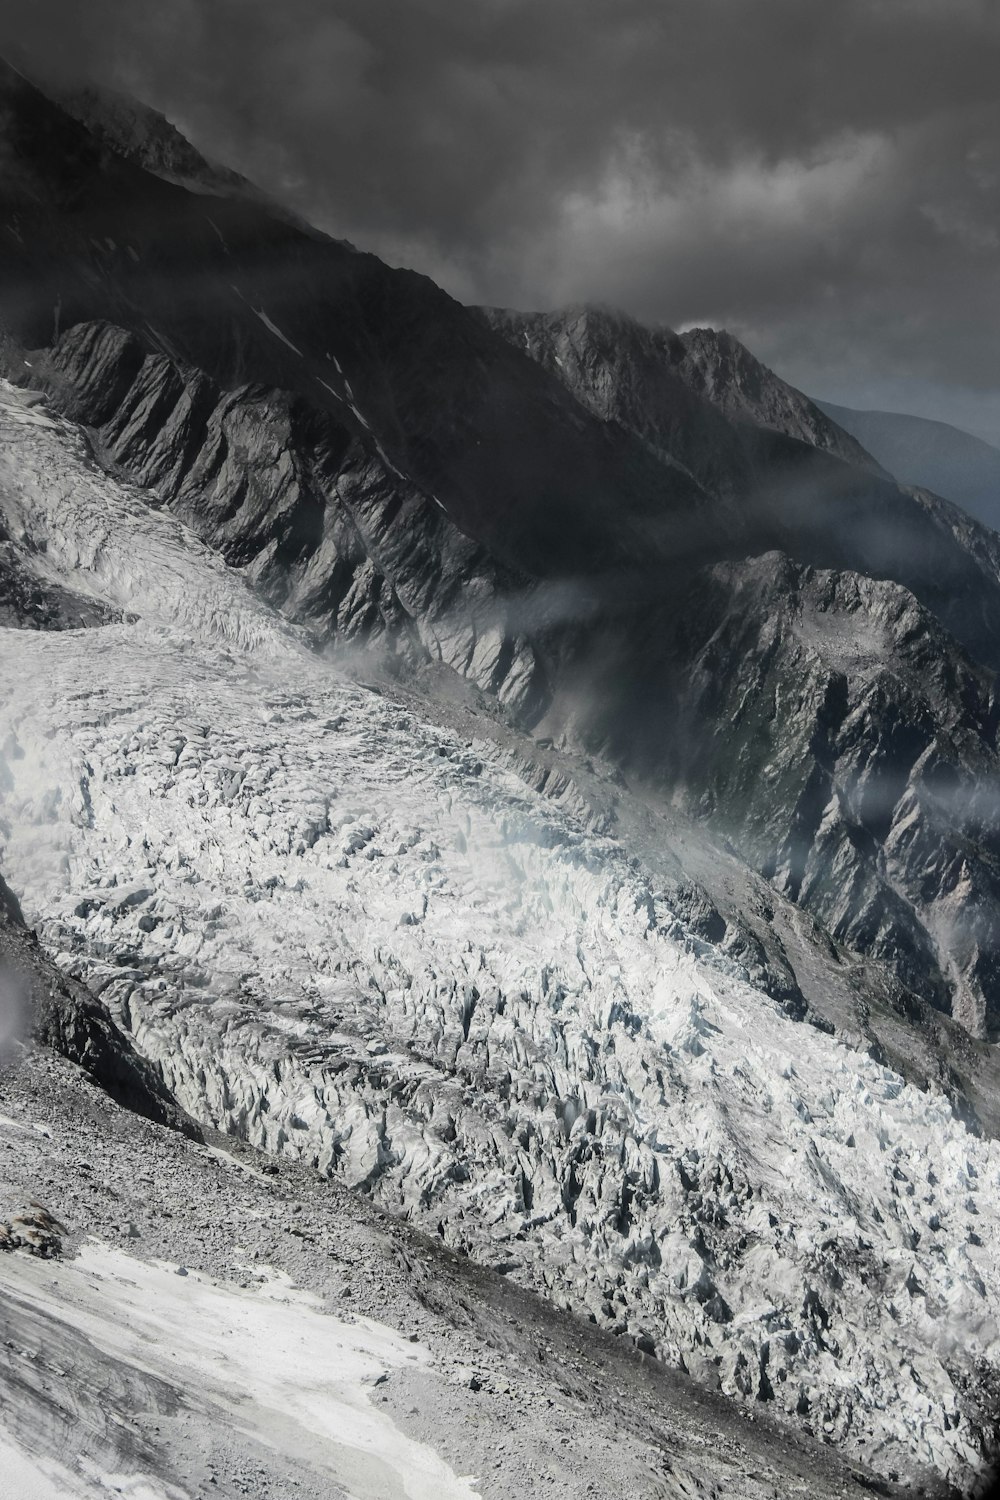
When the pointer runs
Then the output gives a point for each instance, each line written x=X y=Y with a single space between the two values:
x=346 y=930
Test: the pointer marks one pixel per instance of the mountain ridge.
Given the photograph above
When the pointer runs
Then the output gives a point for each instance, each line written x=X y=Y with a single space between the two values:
x=533 y=768
x=935 y=455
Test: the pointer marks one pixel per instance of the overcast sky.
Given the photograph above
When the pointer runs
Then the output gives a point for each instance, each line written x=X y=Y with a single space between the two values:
x=820 y=176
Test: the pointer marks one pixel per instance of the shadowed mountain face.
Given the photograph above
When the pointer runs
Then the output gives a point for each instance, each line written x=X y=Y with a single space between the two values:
x=646 y=543
x=146 y=138
x=801 y=706
x=390 y=361
x=698 y=398
x=851 y=755
x=935 y=455
x=727 y=373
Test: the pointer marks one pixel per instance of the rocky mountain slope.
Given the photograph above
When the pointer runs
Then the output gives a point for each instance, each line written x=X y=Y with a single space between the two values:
x=133 y=130
x=935 y=455
x=538 y=771
x=854 y=760
x=803 y=710
x=38 y=999
x=781 y=475
x=690 y=396
x=725 y=371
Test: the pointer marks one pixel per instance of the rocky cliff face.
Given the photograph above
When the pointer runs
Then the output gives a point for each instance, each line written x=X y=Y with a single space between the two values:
x=321 y=523
x=780 y=473
x=635 y=377
x=697 y=399
x=819 y=706
x=722 y=369
x=854 y=757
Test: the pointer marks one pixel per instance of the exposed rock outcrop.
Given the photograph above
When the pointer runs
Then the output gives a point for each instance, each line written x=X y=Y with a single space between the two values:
x=59 y=1012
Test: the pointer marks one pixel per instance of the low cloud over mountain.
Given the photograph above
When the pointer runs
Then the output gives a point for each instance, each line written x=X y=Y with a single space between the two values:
x=820 y=179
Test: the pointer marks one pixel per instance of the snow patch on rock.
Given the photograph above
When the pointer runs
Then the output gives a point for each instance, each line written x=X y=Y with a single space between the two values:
x=309 y=1395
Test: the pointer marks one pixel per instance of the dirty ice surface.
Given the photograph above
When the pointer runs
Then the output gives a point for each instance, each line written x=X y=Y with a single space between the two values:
x=267 y=1359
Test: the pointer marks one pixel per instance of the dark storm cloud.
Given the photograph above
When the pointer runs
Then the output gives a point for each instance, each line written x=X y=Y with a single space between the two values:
x=824 y=178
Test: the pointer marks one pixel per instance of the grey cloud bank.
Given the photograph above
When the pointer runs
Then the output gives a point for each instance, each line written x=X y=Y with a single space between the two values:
x=821 y=179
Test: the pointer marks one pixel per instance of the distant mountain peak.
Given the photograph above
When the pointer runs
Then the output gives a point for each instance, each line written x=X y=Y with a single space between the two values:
x=137 y=133
x=934 y=455
x=725 y=371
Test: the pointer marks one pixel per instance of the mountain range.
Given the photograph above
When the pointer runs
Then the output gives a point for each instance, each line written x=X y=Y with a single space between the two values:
x=933 y=455
x=538 y=770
